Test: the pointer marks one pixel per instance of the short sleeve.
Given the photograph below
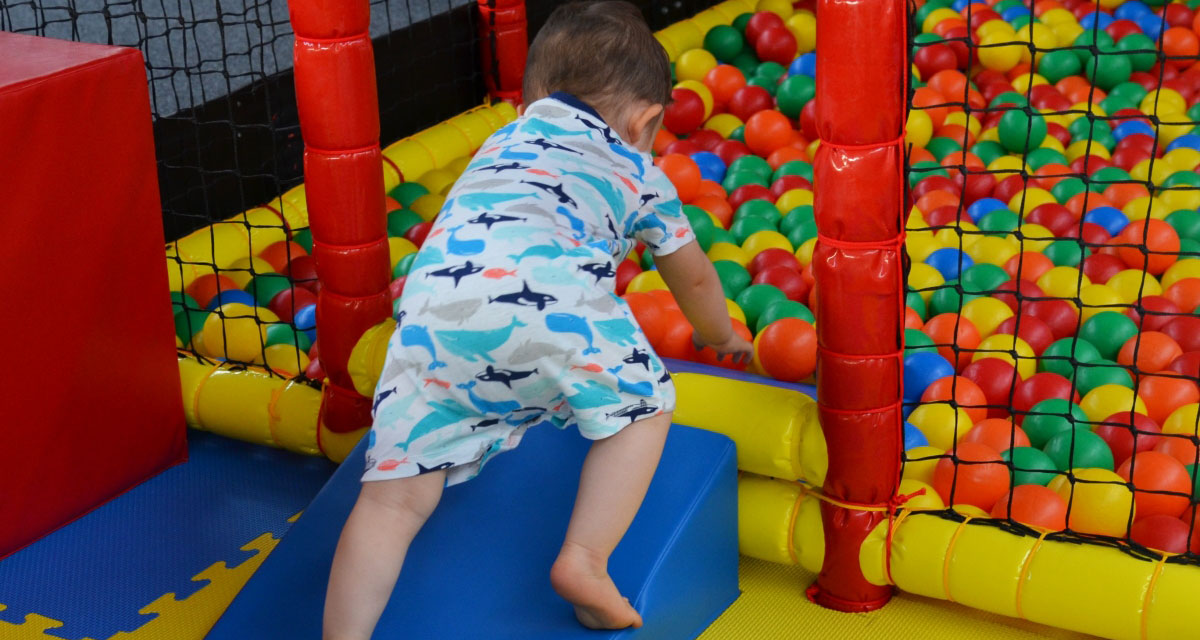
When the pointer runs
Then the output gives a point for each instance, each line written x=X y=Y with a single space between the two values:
x=660 y=223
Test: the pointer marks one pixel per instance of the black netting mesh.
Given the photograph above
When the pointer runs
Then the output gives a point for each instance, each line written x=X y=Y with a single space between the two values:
x=1053 y=346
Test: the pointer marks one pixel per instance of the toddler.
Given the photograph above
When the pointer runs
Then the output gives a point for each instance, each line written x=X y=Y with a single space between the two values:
x=509 y=318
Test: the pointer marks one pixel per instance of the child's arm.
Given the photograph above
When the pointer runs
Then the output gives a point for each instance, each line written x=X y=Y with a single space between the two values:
x=694 y=282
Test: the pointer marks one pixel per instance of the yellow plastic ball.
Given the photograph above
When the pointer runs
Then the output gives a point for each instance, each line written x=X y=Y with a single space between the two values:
x=1027 y=200
x=1062 y=282
x=1169 y=131
x=919 y=128
x=428 y=206
x=1023 y=82
x=1132 y=283
x=1005 y=166
x=803 y=26
x=986 y=314
x=1050 y=142
x=241 y=271
x=285 y=359
x=735 y=311
x=1140 y=208
x=997 y=27
x=936 y=16
x=963 y=235
x=805 y=253
x=793 y=198
x=1107 y=399
x=1058 y=16
x=919 y=463
x=781 y=8
x=1163 y=102
x=728 y=251
x=1151 y=171
x=1098 y=298
x=1034 y=237
x=233 y=332
x=812 y=147
x=1182 y=421
x=1180 y=197
x=919 y=244
x=438 y=180
x=1182 y=158
x=760 y=241
x=1081 y=148
x=694 y=64
x=1044 y=39
x=1181 y=270
x=646 y=281
x=1101 y=504
x=942 y=424
x=923 y=496
x=993 y=250
x=924 y=279
x=1010 y=349
x=991 y=134
x=723 y=123
x=963 y=119
x=398 y=248
x=1000 y=51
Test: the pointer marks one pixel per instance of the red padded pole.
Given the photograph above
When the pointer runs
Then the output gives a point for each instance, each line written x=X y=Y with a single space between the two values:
x=861 y=99
x=505 y=45
x=339 y=119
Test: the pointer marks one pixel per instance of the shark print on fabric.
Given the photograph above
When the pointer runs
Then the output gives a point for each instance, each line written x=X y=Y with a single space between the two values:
x=508 y=317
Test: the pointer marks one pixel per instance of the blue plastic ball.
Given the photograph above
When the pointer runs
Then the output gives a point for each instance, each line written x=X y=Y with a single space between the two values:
x=1128 y=128
x=921 y=369
x=1152 y=25
x=950 y=262
x=982 y=207
x=805 y=65
x=712 y=167
x=1089 y=20
x=960 y=5
x=232 y=295
x=306 y=321
x=1111 y=218
x=1011 y=13
x=913 y=437
x=1189 y=140
x=1131 y=10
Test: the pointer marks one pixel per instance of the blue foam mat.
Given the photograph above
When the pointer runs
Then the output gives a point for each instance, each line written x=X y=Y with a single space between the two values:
x=479 y=568
x=97 y=572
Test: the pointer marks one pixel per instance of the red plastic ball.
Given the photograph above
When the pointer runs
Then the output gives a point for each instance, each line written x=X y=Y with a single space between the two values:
x=1187 y=364
x=748 y=192
x=935 y=57
x=786 y=280
x=1161 y=484
x=705 y=139
x=1099 y=267
x=787 y=349
x=731 y=150
x=1031 y=330
x=1038 y=387
x=303 y=271
x=1154 y=313
x=683 y=147
x=1185 y=330
x=1161 y=533
x=685 y=114
x=1060 y=315
x=396 y=287
x=278 y=254
x=787 y=183
x=286 y=302
x=997 y=379
x=417 y=233
x=750 y=100
x=774 y=257
x=1125 y=435
x=761 y=22
x=776 y=44
x=625 y=273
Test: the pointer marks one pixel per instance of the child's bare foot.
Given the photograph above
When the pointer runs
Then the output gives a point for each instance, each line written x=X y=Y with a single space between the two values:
x=582 y=580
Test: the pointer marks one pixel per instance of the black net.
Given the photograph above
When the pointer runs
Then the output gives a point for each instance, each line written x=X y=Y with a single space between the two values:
x=1053 y=346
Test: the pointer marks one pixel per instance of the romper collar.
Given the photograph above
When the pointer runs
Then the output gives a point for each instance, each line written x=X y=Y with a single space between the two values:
x=571 y=100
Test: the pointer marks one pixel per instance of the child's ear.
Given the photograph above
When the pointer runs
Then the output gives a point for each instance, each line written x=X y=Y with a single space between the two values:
x=644 y=121
x=520 y=109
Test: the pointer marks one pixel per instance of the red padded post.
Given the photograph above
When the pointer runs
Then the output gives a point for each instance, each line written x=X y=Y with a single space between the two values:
x=505 y=45
x=339 y=119
x=89 y=389
x=861 y=75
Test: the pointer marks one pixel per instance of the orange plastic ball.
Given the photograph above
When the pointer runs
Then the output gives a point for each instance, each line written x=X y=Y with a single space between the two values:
x=975 y=475
x=1180 y=448
x=962 y=392
x=649 y=314
x=717 y=206
x=723 y=81
x=936 y=199
x=1161 y=484
x=1122 y=193
x=1076 y=203
x=787 y=349
x=708 y=356
x=1149 y=352
x=997 y=433
x=1164 y=394
x=934 y=104
x=207 y=286
x=1180 y=43
x=767 y=131
x=683 y=173
x=1033 y=505
x=784 y=155
x=710 y=188
x=1028 y=266
x=1184 y=293
x=912 y=319
x=949 y=330
x=1155 y=245
x=280 y=253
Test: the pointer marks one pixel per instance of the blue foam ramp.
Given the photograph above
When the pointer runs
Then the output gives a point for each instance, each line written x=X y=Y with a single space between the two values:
x=480 y=567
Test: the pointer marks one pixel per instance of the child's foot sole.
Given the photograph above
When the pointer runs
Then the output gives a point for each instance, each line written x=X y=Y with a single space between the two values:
x=598 y=604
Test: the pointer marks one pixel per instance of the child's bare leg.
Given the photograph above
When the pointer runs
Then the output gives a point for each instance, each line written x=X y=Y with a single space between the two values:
x=386 y=517
x=614 y=480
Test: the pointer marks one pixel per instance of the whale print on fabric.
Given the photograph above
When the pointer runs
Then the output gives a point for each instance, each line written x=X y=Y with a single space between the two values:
x=508 y=316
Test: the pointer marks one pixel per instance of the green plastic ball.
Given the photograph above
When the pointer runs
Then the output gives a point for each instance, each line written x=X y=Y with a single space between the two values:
x=921 y=170
x=1066 y=253
x=800 y=168
x=941 y=147
x=999 y=222
x=1107 y=177
x=1099 y=373
x=181 y=300
x=1058 y=64
x=913 y=300
x=783 y=309
x=1029 y=466
x=1064 y=354
x=1021 y=132
x=702 y=225
x=916 y=341
x=1108 y=69
x=1089 y=42
x=1107 y=331
x=746 y=62
x=794 y=93
x=1008 y=98
x=724 y=42
x=741 y=21
x=1185 y=222
x=282 y=333
x=920 y=14
x=983 y=278
x=755 y=299
x=1141 y=51
x=988 y=151
x=754 y=164
x=772 y=71
x=748 y=226
x=264 y=287
x=400 y=221
x=733 y=276
x=735 y=179
x=759 y=209
x=1048 y=418
x=407 y=192
x=404 y=265
x=1067 y=188
x=948 y=299
x=1131 y=91
x=739 y=134
x=1079 y=447
x=1043 y=156
x=769 y=84
x=800 y=217
x=189 y=322
x=304 y=238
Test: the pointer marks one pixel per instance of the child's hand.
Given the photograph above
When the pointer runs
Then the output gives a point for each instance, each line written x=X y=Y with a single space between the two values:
x=737 y=346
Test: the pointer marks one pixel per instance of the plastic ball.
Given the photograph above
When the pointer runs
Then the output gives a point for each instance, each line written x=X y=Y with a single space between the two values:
x=683 y=172
x=685 y=114
x=1033 y=505
x=776 y=44
x=1079 y=447
x=960 y=392
x=974 y=475
x=787 y=349
x=234 y=332
x=287 y=302
x=955 y=337
x=694 y=64
x=920 y=462
x=1153 y=245
x=748 y=101
x=1030 y=466
x=913 y=437
x=1149 y=352
x=755 y=298
x=1161 y=484
x=920 y=371
x=767 y=131
x=1161 y=532
x=724 y=42
x=1100 y=502
x=1164 y=395
x=998 y=433
x=942 y=424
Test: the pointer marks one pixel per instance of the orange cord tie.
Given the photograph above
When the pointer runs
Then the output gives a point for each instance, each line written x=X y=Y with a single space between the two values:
x=1158 y=569
x=362 y=245
x=374 y=146
x=1025 y=570
x=362 y=35
x=950 y=554
x=388 y=162
x=272 y=413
